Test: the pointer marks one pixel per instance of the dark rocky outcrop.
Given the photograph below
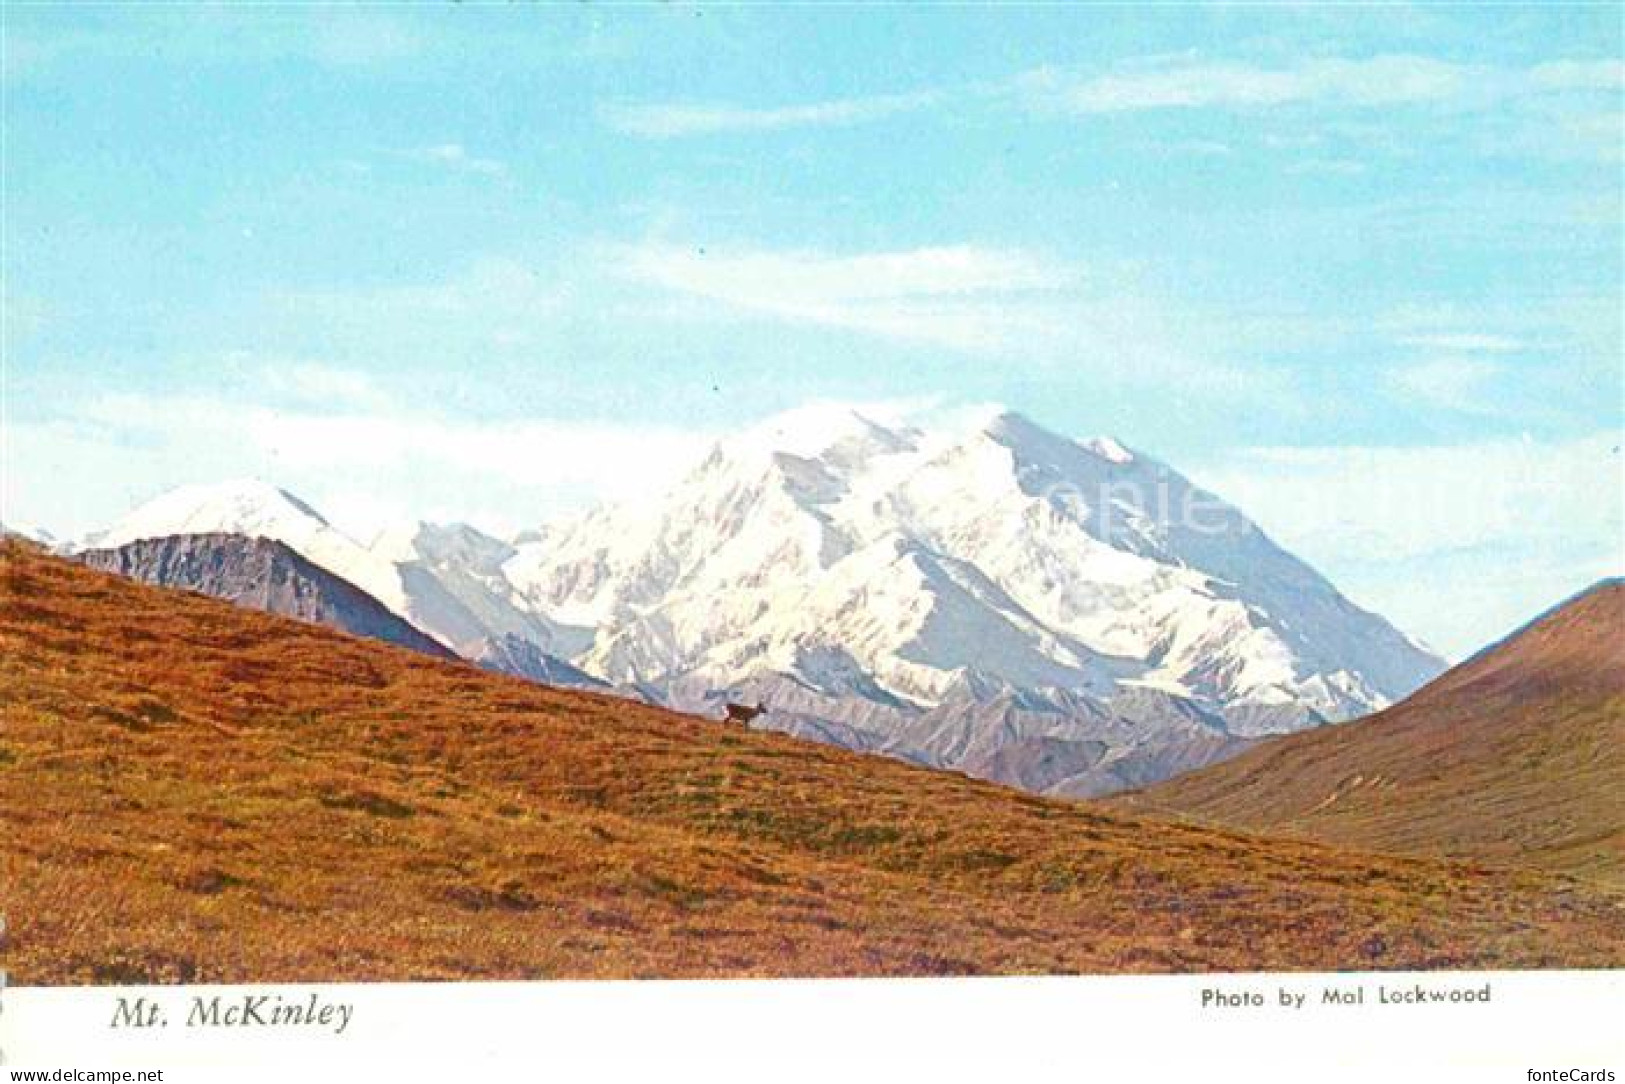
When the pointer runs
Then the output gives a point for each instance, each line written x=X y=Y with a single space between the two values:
x=260 y=574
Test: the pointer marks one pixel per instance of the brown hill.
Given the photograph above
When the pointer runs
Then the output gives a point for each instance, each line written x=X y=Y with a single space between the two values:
x=1515 y=756
x=191 y=791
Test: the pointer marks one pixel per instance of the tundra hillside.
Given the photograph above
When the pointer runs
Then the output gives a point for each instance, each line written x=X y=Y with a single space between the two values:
x=1517 y=756
x=193 y=792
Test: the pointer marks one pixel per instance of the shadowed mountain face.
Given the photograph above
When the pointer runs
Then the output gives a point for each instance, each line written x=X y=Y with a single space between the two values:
x=192 y=791
x=260 y=574
x=1515 y=756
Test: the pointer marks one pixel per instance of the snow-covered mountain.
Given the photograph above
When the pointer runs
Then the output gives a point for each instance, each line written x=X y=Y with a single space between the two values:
x=1069 y=616
x=255 y=509
x=444 y=580
x=262 y=574
x=863 y=560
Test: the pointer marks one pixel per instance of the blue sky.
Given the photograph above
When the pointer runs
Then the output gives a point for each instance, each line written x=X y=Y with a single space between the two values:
x=1358 y=268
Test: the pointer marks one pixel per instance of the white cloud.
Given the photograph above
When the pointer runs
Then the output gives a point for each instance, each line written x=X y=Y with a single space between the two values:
x=771 y=276
x=1375 y=81
x=1329 y=167
x=358 y=37
x=339 y=36
x=1201 y=148
x=1565 y=108
x=961 y=296
x=1392 y=502
x=317 y=384
x=1378 y=81
x=1465 y=342
x=1371 y=82
x=366 y=470
x=1009 y=306
x=499 y=301
x=503 y=476
x=1455 y=383
x=455 y=156
x=1578 y=75
x=674 y=119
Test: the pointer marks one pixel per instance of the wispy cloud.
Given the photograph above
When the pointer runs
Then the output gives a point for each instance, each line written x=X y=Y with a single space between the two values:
x=455 y=156
x=347 y=36
x=336 y=36
x=959 y=296
x=1466 y=341
x=317 y=384
x=1557 y=109
x=1453 y=383
x=772 y=277
x=1517 y=523
x=1578 y=75
x=495 y=300
x=1009 y=306
x=1371 y=82
x=1377 y=81
x=673 y=119
x=501 y=475
x=1328 y=167
x=1200 y=148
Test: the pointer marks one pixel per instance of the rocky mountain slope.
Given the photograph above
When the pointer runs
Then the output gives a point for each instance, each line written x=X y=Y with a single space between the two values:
x=262 y=575
x=1515 y=756
x=1071 y=617
x=437 y=578
x=443 y=581
x=883 y=587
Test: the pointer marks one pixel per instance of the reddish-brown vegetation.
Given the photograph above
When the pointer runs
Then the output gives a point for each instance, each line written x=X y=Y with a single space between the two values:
x=193 y=792
x=1515 y=757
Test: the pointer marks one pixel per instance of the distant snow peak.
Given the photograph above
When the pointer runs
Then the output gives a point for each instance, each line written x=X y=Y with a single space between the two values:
x=445 y=580
x=818 y=429
x=244 y=502
x=255 y=509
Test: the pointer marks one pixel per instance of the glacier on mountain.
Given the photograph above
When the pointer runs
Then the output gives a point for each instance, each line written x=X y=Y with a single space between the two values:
x=1069 y=616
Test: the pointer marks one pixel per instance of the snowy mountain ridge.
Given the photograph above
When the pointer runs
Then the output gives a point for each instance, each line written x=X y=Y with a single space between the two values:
x=1000 y=552
x=444 y=580
x=1091 y=616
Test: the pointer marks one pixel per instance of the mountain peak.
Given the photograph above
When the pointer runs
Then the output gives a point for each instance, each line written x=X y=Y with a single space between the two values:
x=810 y=431
x=262 y=574
x=1030 y=441
x=246 y=506
x=1018 y=431
x=997 y=420
x=253 y=508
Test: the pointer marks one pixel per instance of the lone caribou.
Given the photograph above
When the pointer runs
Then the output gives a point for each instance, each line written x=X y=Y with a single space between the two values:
x=742 y=713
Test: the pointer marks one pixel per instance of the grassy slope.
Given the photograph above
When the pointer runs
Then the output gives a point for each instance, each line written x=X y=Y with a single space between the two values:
x=189 y=791
x=1516 y=756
